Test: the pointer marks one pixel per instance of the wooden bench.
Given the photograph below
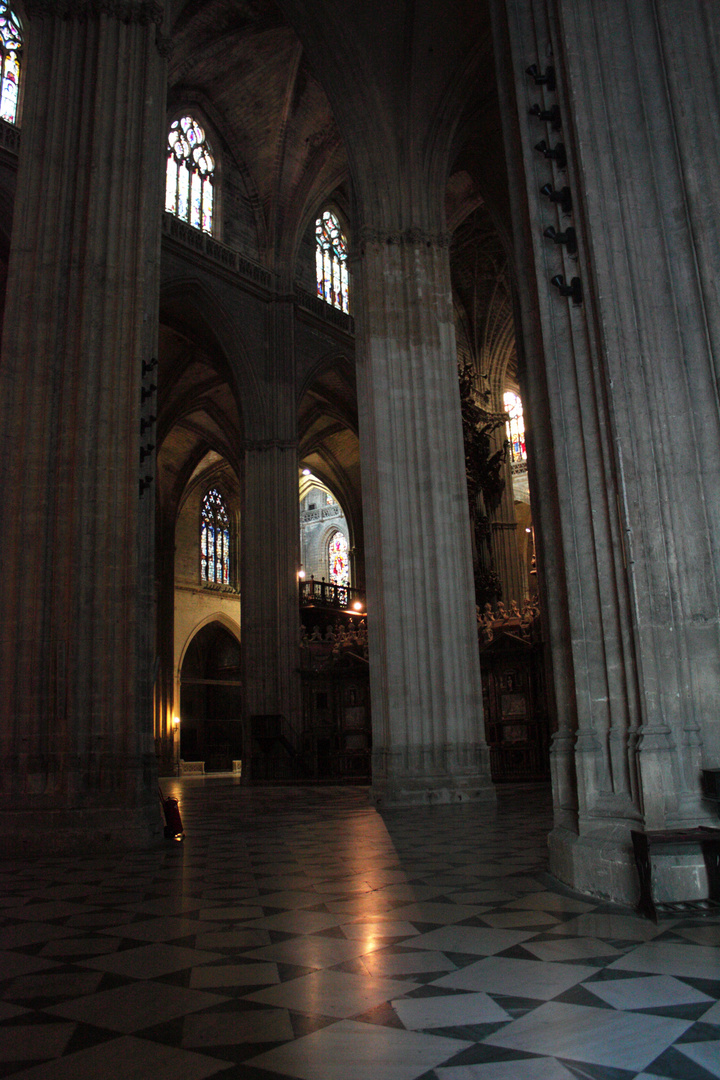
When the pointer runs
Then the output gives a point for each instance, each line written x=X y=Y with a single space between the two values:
x=673 y=842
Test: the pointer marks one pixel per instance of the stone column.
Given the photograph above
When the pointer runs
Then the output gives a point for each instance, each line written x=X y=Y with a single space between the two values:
x=629 y=385
x=426 y=694
x=76 y=648
x=270 y=542
x=166 y=701
x=270 y=611
x=503 y=532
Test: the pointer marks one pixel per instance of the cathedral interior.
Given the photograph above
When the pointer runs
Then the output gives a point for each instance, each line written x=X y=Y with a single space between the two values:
x=360 y=425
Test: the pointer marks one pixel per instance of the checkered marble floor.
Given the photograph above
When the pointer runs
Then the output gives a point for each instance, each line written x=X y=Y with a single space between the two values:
x=298 y=933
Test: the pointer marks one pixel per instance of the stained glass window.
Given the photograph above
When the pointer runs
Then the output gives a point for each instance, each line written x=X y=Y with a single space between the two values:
x=515 y=427
x=331 y=261
x=339 y=565
x=10 y=52
x=189 y=187
x=214 y=540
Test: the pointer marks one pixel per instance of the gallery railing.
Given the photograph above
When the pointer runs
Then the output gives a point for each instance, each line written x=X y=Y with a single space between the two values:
x=9 y=137
x=324 y=594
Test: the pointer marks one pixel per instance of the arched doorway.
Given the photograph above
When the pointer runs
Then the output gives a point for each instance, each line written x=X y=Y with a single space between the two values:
x=211 y=700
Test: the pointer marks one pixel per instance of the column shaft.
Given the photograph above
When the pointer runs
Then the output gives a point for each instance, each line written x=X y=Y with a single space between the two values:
x=424 y=669
x=270 y=606
x=503 y=525
x=80 y=322
x=628 y=518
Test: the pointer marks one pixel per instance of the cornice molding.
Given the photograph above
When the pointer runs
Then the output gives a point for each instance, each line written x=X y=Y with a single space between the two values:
x=270 y=444
x=145 y=12
x=408 y=238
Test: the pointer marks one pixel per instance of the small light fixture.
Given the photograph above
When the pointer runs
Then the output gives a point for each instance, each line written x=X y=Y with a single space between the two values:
x=176 y=721
x=357 y=606
x=568 y=238
x=574 y=289
x=563 y=197
x=528 y=530
x=550 y=116
x=301 y=574
x=553 y=153
x=547 y=79
x=306 y=472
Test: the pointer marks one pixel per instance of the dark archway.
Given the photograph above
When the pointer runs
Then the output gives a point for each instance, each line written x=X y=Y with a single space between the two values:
x=211 y=700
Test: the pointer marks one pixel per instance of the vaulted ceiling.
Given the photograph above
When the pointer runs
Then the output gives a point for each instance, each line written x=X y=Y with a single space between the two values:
x=246 y=64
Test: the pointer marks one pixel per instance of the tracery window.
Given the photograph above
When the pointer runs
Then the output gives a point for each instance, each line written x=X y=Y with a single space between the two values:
x=11 y=42
x=515 y=427
x=214 y=540
x=338 y=561
x=189 y=187
x=331 y=261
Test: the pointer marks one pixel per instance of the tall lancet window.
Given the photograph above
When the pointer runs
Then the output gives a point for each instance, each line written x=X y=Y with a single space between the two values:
x=331 y=261
x=189 y=187
x=515 y=427
x=338 y=561
x=214 y=540
x=11 y=42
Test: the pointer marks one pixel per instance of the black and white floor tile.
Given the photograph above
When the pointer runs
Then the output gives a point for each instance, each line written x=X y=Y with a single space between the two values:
x=297 y=933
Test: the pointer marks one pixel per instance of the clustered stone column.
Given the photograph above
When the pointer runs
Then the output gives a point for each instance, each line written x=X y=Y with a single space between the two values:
x=426 y=693
x=76 y=659
x=270 y=605
x=629 y=520
x=270 y=542
x=166 y=694
x=503 y=526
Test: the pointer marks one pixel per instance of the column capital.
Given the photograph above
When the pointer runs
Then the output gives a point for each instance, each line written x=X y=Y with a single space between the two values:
x=127 y=11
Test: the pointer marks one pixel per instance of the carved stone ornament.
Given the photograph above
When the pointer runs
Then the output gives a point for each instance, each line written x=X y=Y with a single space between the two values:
x=164 y=45
x=127 y=11
x=270 y=444
x=410 y=238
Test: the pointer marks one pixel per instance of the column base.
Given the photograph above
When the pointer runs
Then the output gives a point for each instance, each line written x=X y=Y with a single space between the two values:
x=431 y=791
x=602 y=864
x=399 y=779
x=413 y=790
x=79 y=832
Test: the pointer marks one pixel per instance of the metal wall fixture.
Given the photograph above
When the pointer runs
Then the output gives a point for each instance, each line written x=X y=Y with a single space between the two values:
x=553 y=153
x=550 y=116
x=573 y=290
x=148 y=391
x=568 y=238
x=563 y=197
x=546 y=78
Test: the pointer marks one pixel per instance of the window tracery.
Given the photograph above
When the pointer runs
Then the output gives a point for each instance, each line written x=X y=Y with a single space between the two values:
x=190 y=179
x=331 y=262
x=214 y=540
x=11 y=42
